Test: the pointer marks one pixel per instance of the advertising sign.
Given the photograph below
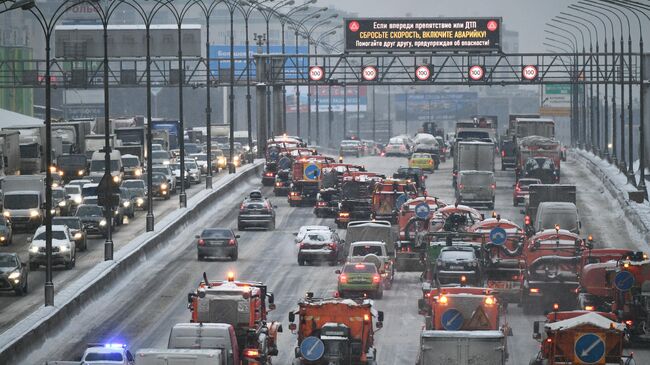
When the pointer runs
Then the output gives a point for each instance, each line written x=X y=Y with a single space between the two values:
x=338 y=99
x=422 y=34
x=220 y=63
x=436 y=106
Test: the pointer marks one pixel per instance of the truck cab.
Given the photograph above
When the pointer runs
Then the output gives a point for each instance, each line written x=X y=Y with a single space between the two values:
x=562 y=214
x=97 y=166
x=24 y=200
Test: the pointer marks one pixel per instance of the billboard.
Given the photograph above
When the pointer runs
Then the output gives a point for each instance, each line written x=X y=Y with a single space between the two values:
x=423 y=34
x=436 y=106
x=220 y=60
x=338 y=99
x=557 y=96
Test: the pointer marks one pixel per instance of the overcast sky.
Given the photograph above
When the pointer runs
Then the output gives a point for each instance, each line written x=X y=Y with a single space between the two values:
x=525 y=16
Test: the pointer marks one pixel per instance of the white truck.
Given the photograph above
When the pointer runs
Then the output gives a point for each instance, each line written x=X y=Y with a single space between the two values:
x=32 y=147
x=24 y=200
x=473 y=155
x=10 y=150
x=179 y=357
x=462 y=348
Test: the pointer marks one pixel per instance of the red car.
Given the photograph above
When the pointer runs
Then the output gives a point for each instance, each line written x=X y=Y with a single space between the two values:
x=521 y=191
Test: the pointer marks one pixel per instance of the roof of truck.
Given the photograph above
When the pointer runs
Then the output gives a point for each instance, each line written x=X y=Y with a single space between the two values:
x=590 y=318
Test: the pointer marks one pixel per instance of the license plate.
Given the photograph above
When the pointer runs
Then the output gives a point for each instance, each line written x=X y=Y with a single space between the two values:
x=456 y=267
x=503 y=284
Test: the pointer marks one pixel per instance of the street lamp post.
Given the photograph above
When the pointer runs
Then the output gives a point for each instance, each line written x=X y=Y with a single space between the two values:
x=231 y=5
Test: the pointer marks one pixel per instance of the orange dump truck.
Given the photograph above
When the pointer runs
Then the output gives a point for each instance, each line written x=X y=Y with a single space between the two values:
x=335 y=331
x=580 y=337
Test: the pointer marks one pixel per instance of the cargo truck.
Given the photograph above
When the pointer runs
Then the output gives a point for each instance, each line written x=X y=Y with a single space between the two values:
x=173 y=130
x=472 y=155
x=32 y=147
x=73 y=135
x=10 y=150
x=24 y=200
x=541 y=193
x=96 y=142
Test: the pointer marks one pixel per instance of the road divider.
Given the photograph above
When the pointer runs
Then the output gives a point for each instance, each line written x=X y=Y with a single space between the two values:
x=33 y=330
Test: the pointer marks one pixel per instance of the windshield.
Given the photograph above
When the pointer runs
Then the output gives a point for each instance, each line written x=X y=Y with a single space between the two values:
x=133 y=184
x=104 y=356
x=160 y=155
x=524 y=184
x=366 y=250
x=160 y=170
x=70 y=222
x=157 y=147
x=201 y=157
x=130 y=162
x=190 y=165
x=350 y=143
x=58 y=194
x=456 y=255
x=476 y=179
x=360 y=268
x=317 y=237
x=29 y=150
x=72 y=190
x=90 y=190
x=129 y=137
x=56 y=235
x=8 y=261
x=99 y=166
x=566 y=219
x=421 y=155
x=158 y=178
x=472 y=135
x=192 y=148
x=72 y=160
x=21 y=201
x=216 y=233
x=89 y=211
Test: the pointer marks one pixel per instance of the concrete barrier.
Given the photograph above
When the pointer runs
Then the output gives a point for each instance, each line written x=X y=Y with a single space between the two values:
x=31 y=332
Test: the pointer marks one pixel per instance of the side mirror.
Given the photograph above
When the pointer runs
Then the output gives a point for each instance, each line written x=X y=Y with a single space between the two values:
x=336 y=272
x=275 y=207
x=295 y=234
x=197 y=236
x=522 y=212
x=380 y=316
x=271 y=298
x=292 y=316
x=237 y=236
x=23 y=264
x=536 y=334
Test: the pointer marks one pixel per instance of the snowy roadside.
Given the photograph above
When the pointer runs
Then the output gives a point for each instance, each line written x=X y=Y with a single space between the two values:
x=637 y=214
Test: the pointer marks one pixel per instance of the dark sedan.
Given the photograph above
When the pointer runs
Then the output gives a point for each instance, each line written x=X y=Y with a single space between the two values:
x=13 y=274
x=256 y=211
x=458 y=265
x=77 y=230
x=217 y=242
x=92 y=217
x=138 y=191
x=6 y=233
x=159 y=186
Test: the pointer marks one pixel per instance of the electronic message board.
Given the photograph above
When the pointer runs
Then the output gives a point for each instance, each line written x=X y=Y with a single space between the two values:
x=422 y=34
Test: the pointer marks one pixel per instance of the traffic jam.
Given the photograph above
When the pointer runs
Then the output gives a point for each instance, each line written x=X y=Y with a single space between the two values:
x=472 y=262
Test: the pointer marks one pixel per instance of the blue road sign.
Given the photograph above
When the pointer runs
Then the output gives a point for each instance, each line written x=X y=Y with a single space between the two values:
x=312 y=172
x=498 y=235
x=422 y=210
x=624 y=281
x=589 y=348
x=452 y=320
x=312 y=348
x=401 y=200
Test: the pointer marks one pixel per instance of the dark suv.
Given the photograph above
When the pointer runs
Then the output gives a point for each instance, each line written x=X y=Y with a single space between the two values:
x=13 y=274
x=256 y=211
x=458 y=265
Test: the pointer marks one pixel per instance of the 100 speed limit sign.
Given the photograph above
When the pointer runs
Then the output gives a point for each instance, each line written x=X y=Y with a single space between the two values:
x=316 y=73
x=476 y=73
x=423 y=73
x=529 y=72
x=369 y=73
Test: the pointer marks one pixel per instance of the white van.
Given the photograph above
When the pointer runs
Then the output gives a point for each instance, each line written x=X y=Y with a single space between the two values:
x=97 y=166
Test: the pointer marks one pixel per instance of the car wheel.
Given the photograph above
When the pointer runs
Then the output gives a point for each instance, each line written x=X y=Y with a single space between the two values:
x=379 y=294
x=240 y=227
x=20 y=292
x=503 y=167
x=301 y=262
x=69 y=265
x=199 y=257
x=167 y=197
x=515 y=202
x=333 y=263
x=234 y=257
x=271 y=226
x=26 y=287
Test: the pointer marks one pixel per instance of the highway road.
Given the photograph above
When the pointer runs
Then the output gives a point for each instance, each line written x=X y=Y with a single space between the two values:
x=15 y=308
x=141 y=308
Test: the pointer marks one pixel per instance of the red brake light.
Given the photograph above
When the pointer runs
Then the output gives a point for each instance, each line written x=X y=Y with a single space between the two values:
x=232 y=242
x=332 y=246
x=359 y=266
x=493 y=186
x=503 y=153
x=343 y=278
x=527 y=220
x=241 y=206
x=461 y=186
x=376 y=278
x=201 y=242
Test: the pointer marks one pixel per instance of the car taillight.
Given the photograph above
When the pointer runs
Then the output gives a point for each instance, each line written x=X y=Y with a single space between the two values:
x=493 y=186
x=322 y=204
x=527 y=220
x=461 y=186
x=343 y=278
x=517 y=188
x=201 y=242
x=503 y=153
x=241 y=207
x=232 y=242
x=332 y=246
x=302 y=245
x=269 y=174
x=376 y=278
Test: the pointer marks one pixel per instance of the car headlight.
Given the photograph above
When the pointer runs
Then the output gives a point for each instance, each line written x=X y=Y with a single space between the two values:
x=14 y=275
x=62 y=203
x=78 y=236
x=138 y=172
x=3 y=238
x=166 y=162
x=116 y=179
x=53 y=211
x=64 y=248
x=139 y=201
x=6 y=213
x=126 y=204
x=81 y=172
x=55 y=185
x=78 y=200
x=236 y=158
x=164 y=186
x=34 y=213
x=33 y=249
x=102 y=223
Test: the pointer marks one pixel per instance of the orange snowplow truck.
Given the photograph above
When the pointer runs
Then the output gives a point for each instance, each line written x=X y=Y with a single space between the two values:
x=461 y=308
x=621 y=286
x=580 y=337
x=244 y=305
x=305 y=179
x=388 y=196
x=335 y=331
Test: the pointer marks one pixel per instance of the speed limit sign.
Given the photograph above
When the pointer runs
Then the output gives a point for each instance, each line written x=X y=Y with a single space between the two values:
x=529 y=72
x=423 y=73
x=316 y=73
x=476 y=73
x=369 y=73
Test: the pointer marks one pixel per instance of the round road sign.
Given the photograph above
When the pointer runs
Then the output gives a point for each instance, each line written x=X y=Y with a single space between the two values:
x=452 y=320
x=354 y=26
x=498 y=235
x=476 y=73
x=492 y=25
x=312 y=348
x=422 y=210
x=423 y=73
x=312 y=172
x=590 y=348
x=529 y=72
x=369 y=73
x=316 y=73
x=624 y=280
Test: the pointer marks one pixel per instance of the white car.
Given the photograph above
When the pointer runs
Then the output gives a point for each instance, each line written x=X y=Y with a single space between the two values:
x=302 y=232
x=201 y=160
x=114 y=354
x=74 y=192
x=194 y=171
x=169 y=174
x=63 y=248
x=157 y=147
